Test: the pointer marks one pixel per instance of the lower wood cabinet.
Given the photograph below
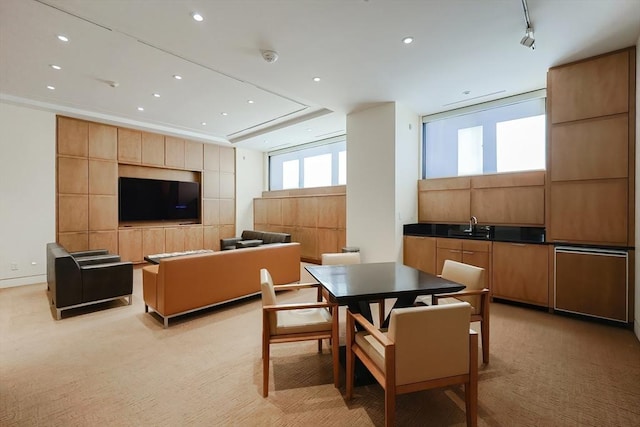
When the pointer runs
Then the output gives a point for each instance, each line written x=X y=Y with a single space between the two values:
x=521 y=272
x=420 y=252
x=134 y=243
x=473 y=252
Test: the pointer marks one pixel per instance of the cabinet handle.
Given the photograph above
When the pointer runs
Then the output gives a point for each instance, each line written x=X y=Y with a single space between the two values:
x=455 y=251
x=468 y=252
x=518 y=244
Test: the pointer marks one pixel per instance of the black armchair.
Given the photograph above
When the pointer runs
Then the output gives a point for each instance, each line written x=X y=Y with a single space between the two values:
x=75 y=280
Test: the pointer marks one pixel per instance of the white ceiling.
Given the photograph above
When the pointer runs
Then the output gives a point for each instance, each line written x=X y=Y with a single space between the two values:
x=354 y=46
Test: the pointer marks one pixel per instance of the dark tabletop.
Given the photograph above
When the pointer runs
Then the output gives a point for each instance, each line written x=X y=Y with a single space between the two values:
x=360 y=282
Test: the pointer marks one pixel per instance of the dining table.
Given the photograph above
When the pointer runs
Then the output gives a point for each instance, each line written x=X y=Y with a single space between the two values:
x=356 y=285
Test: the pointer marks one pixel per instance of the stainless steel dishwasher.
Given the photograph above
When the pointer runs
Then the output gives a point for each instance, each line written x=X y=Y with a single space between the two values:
x=592 y=281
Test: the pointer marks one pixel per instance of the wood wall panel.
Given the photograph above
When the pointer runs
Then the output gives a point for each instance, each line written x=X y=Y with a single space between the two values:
x=589 y=211
x=103 y=177
x=153 y=241
x=73 y=212
x=308 y=211
x=211 y=211
x=260 y=207
x=152 y=149
x=134 y=171
x=103 y=213
x=211 y=154
x=73 y=173
x=328 y=241
x=592 y=88
x=73 y=242
x=104 y=240
x=173 y=152
x=227 y=231
x=289 y=211
x=593 y=149
x=331 y=211
x=227 y=211
x=103 y=141
x=211 y=184
x=227 y=185
x=193 y=155
x=514 y=179
x=129 y=145
x=509 y=205
x=73 y=137
x=274 y=211
x=456 y=183
x=227 y=160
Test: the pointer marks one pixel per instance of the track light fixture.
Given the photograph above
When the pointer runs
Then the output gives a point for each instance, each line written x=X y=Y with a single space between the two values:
x=528 y=40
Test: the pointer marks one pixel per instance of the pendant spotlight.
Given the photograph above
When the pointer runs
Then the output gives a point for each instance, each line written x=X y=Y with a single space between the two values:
x=528 y=40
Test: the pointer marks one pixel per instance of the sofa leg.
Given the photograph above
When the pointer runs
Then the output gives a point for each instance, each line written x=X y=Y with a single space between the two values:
x=58 y=314
x=166 y=322
x=146 y=308
x=130 y=299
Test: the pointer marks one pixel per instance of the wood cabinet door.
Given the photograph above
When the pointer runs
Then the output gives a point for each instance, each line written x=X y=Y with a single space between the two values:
x=152 y=149
x=328 y=241
x=193 y=238
x=103 y=141
x=420 y=252
x=174 y=152
x=130 y=244
x=332 y=211
x=447 y=249
x=73 y=137
x=174 y=239
x=129 y=146
x=593 y=149
x=509 y=205
x=592 y=88
x=153 y=241
x=589 y=212
x=274 y=211
x=521 y=272
x=478 y=253
x=308 y=238
x=211 y=238
x=73 y=175
x=193 y=155
x=446 y=206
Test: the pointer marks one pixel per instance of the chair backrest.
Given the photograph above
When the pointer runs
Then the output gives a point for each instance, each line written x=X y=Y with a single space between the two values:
x=431 y=342
x=268 y=296
x=469 y=275
x=341 y=258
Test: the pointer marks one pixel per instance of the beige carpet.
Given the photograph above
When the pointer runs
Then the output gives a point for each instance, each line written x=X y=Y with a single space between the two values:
x=117 y=366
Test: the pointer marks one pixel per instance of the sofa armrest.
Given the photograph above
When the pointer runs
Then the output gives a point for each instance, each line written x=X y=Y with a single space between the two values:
x=92 y=252
x=98 y=259
x=229 y=243
x=102 y=281
x=150 y=286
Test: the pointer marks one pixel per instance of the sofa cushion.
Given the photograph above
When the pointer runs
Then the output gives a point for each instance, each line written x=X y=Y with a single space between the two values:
x=252 y=235
x=248 y=243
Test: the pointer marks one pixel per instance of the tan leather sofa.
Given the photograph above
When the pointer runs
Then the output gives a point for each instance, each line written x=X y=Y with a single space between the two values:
x=187 y=283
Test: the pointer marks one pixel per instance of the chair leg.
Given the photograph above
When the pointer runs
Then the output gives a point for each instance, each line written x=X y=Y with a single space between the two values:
x=471 y=387
x=350 y=362
x=265 y=369
x=484 y=327
x=390 y=407
x=381 y=312
x=319 y=346
x=335 y=341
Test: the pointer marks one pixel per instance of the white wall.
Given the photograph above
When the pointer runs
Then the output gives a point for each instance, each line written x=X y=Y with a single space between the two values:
x=27 y=193
x=371 y=182
x=407 y=171
x=636 y=323
x=249 y=184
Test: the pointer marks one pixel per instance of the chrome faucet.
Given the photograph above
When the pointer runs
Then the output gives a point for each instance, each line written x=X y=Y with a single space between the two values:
x=472 y=221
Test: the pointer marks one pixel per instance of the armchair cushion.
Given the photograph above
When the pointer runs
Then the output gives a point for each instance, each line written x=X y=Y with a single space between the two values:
x=303 y=320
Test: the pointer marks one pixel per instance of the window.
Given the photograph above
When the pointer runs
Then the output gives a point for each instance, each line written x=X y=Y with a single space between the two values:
x=502 y=136
x=315 y=165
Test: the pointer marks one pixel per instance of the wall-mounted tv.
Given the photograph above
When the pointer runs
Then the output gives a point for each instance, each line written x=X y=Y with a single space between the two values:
x=141 y=199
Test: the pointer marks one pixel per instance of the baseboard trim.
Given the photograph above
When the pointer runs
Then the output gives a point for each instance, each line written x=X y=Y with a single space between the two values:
x=20 y=281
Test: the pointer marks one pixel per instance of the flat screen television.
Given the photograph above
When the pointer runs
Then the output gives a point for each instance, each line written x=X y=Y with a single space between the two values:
x=141 y=199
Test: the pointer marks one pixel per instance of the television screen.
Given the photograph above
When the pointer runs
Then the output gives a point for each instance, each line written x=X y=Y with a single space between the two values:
x=141 y=199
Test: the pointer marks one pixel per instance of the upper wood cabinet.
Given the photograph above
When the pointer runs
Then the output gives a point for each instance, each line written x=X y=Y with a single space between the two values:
x=152 y=149
x=174 y=152
x=499 y=199
x=211 y=157
x=193 y=155
x=227 y=159
x=592 y=88
x=129 y=146
x=103 y=141
x=73 y=137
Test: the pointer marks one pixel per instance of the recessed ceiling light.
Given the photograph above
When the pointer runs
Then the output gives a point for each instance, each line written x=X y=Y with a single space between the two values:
x=203 y=123
x=224 y=114
x=308 y=130
x=156 y=95
x=196 y=16
x=63 y=38
x=316 y=79
x=250 y=101
x=51 y=87
x=55 y=67
x=466 y=92
x=407 y=40
x=177 y=77
x=140 y=108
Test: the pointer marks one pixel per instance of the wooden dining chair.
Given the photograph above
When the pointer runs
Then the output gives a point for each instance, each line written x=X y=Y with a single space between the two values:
x=424 y=347
x=475 y=294
x=283 y=323
x=347 y=258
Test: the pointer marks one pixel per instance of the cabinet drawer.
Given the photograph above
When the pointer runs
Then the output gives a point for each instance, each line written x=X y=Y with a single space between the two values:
x=476 y=246
x=449 y=243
